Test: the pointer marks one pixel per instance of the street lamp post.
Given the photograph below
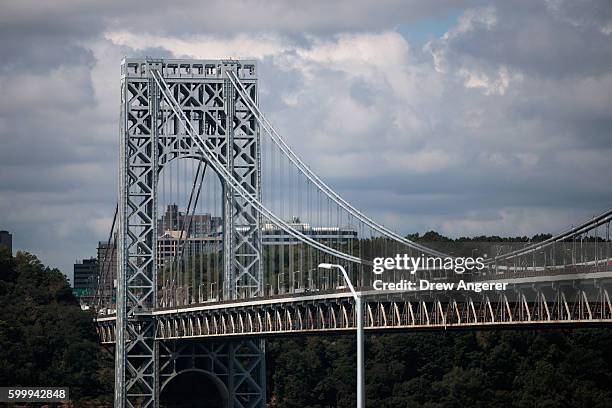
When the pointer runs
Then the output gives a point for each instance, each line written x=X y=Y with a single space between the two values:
x=360 y=337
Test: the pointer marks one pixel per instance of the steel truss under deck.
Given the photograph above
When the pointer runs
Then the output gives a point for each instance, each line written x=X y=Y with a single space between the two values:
x=548 y=303
x=151 y=135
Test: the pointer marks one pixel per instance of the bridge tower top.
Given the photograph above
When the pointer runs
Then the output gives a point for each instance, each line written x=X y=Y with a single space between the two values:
x=188 y=68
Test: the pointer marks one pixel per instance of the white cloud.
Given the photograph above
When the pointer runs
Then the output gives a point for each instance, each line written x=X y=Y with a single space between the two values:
x=490 y=86
x=467 y=22
x=477 y=17
x=491 y=80
x=240 y=46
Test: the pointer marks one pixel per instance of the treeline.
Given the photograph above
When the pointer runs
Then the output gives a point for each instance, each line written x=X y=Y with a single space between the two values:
x=514 y=369
x=47 y=340
x=45 y=337
x=433 y=236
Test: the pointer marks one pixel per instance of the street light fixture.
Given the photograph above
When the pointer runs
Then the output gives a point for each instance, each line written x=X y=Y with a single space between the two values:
x=360 y=337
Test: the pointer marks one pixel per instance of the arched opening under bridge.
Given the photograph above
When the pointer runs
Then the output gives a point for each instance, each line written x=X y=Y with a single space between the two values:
x=193 y=389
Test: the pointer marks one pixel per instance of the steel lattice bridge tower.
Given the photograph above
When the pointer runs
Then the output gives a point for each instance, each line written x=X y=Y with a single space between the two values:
x=145 y=150
x=199 y=290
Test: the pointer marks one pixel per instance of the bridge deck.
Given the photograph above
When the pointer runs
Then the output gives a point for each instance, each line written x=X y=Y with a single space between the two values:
x=558 y=300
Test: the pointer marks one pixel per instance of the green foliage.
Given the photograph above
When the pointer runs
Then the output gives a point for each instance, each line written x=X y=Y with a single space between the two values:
x=514 y=369
x=45 y=337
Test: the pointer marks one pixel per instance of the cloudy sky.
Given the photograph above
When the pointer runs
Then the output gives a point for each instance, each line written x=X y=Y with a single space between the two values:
x=464 y=117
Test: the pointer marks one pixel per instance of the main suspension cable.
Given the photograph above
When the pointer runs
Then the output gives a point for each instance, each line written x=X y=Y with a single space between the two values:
x=314 y=178
x=233 y=183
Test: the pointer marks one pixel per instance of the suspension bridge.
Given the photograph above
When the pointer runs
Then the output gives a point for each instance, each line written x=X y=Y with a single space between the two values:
x=220 y=228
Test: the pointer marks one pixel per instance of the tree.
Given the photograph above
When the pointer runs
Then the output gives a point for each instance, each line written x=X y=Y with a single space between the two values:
x=45 y=337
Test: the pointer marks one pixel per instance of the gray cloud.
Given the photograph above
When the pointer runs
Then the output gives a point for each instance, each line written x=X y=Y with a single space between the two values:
x=544 y=39
x=502 y=125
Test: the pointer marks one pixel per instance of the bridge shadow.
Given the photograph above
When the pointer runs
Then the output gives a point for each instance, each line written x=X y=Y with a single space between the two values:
x=192 y=389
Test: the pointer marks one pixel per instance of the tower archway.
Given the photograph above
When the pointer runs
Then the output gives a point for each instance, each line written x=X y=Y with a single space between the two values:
x=193 y=388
